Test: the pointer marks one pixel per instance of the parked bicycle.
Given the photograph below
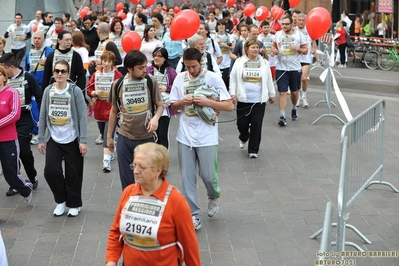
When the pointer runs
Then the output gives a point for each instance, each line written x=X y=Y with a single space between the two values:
x=388 y=58
x=364 y=54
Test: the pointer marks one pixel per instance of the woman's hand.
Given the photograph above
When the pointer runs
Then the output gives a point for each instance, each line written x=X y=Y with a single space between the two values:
x=234 y=98
x=152 y=125
x=42 y=148
x=83 y=149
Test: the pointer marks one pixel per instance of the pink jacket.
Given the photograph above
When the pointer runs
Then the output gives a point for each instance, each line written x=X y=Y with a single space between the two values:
x=10 y=112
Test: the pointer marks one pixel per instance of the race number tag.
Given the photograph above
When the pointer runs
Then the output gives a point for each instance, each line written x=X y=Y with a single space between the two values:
x=189 y=87
x=34 y=57
x=59 y=108
x=99 y=51
x=19 y=34
x=58 y=56
x=103 y=83
x=223 y=39
x=135 y=97
x=267 y=43
x=118 y=43
x=19 y=85
x=252 y=72
x=161 y=78
x=44 y=29
x=286 y=42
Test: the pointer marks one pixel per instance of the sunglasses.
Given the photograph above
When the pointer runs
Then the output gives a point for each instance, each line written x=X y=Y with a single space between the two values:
x=62 y=71
x=67 y=25
x=285 y=24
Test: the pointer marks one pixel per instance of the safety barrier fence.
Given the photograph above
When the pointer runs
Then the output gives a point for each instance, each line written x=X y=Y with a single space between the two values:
x=362 y=161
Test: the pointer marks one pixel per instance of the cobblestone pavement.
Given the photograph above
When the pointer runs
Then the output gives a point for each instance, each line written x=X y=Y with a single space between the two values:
x=269 y=205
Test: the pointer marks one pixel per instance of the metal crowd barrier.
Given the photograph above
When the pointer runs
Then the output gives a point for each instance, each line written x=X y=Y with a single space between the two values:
x=362 y=160
x=325 y=243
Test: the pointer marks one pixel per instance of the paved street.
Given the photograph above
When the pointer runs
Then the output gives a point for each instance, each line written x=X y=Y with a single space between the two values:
x=269 y=205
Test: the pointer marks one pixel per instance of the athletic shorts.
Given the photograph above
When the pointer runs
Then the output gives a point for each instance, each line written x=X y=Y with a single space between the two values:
x=288 y=79
x=305 y=64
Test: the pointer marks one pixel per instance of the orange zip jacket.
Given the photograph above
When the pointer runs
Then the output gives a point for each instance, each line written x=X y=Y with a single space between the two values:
x=176 y=225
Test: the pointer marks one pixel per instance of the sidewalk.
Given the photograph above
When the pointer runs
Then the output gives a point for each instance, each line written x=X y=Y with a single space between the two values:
x=269 y=205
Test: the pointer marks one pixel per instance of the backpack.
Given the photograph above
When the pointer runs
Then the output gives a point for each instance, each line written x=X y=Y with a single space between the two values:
x=349 y=42
x=208 y=59
x=150 y=86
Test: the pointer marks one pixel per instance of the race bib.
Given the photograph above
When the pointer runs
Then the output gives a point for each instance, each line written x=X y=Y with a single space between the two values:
x=103 y=82
x=99 y=51
x=140 y=221
x=44 y=30
x=58 y=56
x=19 y=34
x=59 y=108
x=223 y=39
x=118 y=43
x=161 y=78
x=134 y=97
x=252 y=72
x=286 y=42
x=19 y=85
x=189 y=87
x=34 y=57
x=267 y=43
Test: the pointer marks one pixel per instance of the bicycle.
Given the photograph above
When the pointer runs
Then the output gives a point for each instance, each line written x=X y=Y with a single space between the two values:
x=388 y=58
x=365 y=55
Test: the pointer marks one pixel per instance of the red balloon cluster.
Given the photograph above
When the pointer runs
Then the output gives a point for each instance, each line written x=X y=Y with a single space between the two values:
x=318 y=22
x=149 y=2
x=84 y=11
x=134 y=2
x=262 y=13
x=294 y=3
x=97 y=1
x=122 y=15
x=230 y=3
x=277 y=12
x=249 y=10
x=176 y=9
x=184 y=25
x=131 y=40
x=119 y=7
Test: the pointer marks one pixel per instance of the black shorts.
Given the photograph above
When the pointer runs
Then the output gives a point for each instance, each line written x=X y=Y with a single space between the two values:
x=291 y=79
x=305 y=64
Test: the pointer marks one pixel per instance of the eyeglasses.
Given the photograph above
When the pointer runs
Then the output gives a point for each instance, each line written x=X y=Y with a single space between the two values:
x=67 y=25
x=62 y=71
x=140 y=167
x=285 y=24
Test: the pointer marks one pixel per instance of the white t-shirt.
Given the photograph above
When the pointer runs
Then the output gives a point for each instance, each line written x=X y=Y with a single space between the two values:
x=148 y=47
x=215 y=53
x=288 y=59
x=18 y=32
x=193 y=131
x=306 y=58
x=267 y=43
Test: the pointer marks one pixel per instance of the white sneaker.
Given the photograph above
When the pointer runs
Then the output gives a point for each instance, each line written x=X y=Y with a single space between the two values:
x=213 y=207
x=196 y=223
x=73 y=212
x=305 y=103
x=253 y=155
x=60 y=209
x=242 y=144
x=106 y=166
x=299 y=102
x=28 y=199
x=288 y=92
x=112 y=156
x=99 y=140
x=34 y=140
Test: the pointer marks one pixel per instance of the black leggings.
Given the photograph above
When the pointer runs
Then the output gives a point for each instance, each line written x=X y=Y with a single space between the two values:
x=342 y=56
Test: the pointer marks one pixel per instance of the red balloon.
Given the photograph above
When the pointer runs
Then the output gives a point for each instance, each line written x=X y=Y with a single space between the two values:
x=274 y=7
x=262 y=13
x=186 y=19
x=318 y=22
x=131 y=40
x=84 y=11
x=149 y=2
x=97 y=1
x=230 y=3
x=155 y=10
x=134 y=2
x=249 y=10
x=122 y=15
x=119 y=7
x=278 y=13
x=176 y=9
x=165 y=7
x=294 y=3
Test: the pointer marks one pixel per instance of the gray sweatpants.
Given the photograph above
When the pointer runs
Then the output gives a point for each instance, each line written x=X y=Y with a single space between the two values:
x=206 y=157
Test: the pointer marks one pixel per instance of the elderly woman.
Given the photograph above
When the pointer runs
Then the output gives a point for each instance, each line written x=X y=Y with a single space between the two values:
x=165 y=75
x=251 y=86
x=10 y=112
x=152 y=224
x=63 y=115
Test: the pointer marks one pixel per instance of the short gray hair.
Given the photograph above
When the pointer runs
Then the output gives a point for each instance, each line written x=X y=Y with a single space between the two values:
x=301 y=15
x=192 y=42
